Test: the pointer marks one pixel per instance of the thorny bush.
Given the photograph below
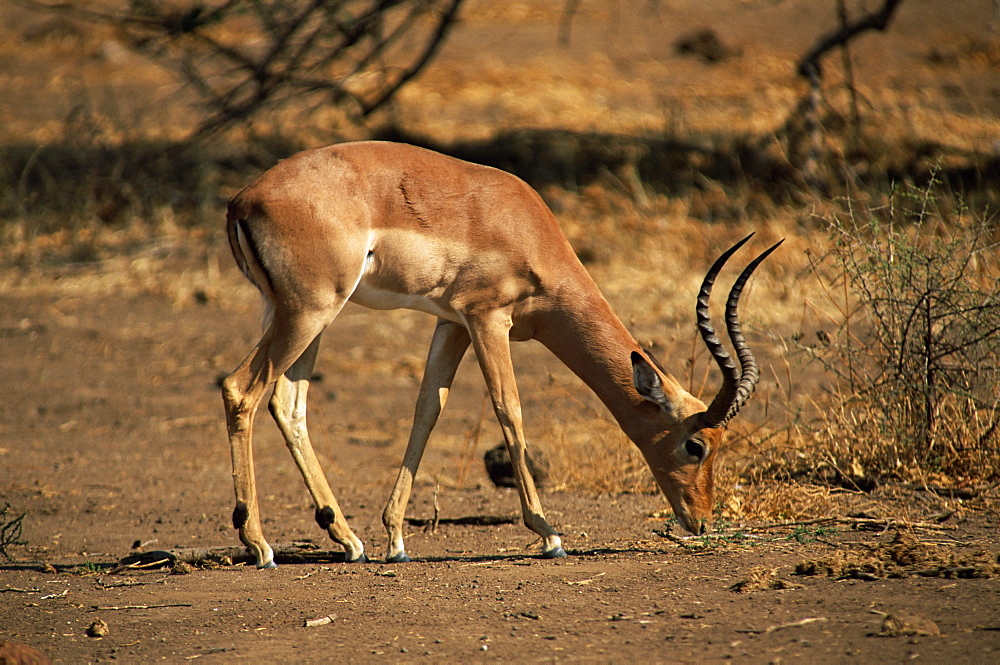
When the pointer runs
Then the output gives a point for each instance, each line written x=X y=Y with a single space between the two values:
x=916 y=354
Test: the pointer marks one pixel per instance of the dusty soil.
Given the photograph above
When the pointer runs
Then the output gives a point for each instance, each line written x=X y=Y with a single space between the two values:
x=112 y=434
x=111 y=426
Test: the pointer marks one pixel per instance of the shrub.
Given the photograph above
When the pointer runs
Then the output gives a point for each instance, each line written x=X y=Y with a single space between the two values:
x=916 y=354
x=10 y=531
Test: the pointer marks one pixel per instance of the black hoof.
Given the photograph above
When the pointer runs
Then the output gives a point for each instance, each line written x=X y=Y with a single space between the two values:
x=363 y=558
x=398 y=558
x=554 y=553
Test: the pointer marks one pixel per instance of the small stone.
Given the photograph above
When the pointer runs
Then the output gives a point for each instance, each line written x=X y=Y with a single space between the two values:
x=902 y=624
x=181 y=568
x=98 y=629
x=501 y=471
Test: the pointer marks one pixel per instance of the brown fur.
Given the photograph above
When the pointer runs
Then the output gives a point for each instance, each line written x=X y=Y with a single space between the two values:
x=390 y=225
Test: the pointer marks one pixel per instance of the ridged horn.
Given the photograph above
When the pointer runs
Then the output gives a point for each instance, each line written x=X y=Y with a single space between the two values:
x=737 y=385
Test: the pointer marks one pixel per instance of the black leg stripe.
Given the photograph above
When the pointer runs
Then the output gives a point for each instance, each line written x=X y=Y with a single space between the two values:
x=241 y=513
x=325 y=517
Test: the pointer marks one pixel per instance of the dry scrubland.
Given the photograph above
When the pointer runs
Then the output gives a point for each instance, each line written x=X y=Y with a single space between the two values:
x=653 y=162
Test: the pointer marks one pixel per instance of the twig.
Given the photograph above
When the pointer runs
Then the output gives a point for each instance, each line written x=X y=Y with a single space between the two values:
x=307 y=575
x=122 y=583
x=879 y=20
x=158 y=563
x=707 y=541
x=584 y=582
x=705 y=538
x=771 y=629
x=471 y=520
x=437 y=507
x=671 y=537
x=446 y=20
x=949 y=492
x=104 y=608
x=779 y=525
x=55 y=595
x=283 y=553
x=866 y=523
x=208 y=652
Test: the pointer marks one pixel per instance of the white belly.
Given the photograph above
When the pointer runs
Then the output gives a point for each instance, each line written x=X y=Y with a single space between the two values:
x=373 y=298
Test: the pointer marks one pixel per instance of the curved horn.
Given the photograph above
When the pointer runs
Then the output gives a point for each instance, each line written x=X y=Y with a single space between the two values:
x=737 y=386
x=749 y=374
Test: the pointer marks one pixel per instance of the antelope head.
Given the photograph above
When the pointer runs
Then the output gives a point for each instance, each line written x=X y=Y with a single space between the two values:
x=681 y=445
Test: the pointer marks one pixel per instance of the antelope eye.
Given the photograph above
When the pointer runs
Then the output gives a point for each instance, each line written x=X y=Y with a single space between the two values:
x=695 y=449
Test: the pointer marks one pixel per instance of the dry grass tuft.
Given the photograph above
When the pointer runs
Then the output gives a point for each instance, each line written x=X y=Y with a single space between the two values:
x=596 y=457
x=903 y=556
x=761 y=579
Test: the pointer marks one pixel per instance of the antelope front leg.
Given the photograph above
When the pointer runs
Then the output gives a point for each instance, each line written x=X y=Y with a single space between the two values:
x=288 y=407
x=448 y=345
x=491 y=340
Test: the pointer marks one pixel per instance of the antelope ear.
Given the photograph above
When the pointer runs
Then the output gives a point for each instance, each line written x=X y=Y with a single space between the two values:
x=647 y=382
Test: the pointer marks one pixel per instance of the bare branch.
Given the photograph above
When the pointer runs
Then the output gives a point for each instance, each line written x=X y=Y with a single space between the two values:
x=242 y=57
x=444 y=25
x=809 y=65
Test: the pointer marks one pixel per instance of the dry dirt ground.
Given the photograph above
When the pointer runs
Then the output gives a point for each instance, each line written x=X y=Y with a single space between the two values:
x=112 y=434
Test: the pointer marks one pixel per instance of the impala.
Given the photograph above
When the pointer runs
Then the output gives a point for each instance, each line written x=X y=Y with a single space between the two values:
x=388 y=225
